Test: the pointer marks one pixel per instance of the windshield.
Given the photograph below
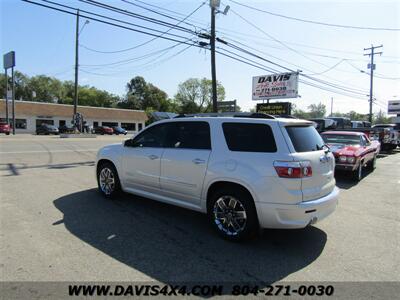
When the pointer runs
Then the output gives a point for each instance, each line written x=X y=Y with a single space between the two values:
x=345 y=139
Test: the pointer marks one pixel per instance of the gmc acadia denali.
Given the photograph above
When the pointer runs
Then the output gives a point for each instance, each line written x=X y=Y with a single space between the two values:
x=244 y=172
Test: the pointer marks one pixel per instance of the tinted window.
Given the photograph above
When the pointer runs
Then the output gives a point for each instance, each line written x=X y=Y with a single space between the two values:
x=188 y=135
x=304 y=138
x=152 y=137
x=249 y=137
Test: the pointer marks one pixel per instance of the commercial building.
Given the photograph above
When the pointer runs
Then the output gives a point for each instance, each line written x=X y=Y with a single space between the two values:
x=29 y=115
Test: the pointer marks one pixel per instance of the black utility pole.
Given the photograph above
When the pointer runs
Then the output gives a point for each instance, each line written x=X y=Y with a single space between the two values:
x=212 y=44
x=13 y=99
x=5 y=73
x=372 y=67
x=76 y=63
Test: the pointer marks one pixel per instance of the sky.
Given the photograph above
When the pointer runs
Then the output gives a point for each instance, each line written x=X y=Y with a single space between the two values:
x=44 y=42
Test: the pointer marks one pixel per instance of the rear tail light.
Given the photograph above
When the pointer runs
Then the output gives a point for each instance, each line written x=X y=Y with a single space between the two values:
x=291 y=169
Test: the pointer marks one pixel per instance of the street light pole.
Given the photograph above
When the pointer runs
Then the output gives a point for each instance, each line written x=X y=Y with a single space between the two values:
x=76 y=63
x=213 y=5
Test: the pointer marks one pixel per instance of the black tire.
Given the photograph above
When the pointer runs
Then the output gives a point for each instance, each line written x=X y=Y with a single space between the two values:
x=7 y=133
x=116 y=188
x=358 y=174
x=372 y=164
x=248 y=228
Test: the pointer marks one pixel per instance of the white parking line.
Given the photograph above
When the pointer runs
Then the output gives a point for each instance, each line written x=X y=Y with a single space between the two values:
x=51 y=151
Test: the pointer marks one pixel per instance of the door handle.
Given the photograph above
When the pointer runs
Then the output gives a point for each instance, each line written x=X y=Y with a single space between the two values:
x=153 y=157
x=198 y=161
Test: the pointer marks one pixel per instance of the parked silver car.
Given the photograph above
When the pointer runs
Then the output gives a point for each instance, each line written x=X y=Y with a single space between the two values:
x=244 y=172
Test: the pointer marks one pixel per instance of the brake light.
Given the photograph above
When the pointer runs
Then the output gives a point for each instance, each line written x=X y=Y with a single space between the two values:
x=290 y=169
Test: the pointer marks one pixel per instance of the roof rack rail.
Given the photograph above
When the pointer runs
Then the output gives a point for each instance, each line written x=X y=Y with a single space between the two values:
x=228 y=114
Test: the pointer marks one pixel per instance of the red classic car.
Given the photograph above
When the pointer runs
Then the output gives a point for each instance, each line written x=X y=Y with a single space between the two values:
x=352 y=150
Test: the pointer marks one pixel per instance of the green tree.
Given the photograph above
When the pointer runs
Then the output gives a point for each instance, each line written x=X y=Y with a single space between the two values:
x=145 y=96
x=21 y=85
x=195 y=95
x=317 y=110
x=381 y=118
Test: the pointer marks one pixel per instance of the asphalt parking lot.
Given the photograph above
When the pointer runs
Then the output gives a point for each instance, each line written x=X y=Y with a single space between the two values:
x=55 y=226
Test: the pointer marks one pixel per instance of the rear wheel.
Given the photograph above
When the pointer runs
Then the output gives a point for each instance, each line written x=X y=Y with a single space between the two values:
x=108 y=180
x=232 y=214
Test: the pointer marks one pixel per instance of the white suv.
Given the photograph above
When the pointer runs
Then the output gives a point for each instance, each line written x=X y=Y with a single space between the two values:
x=245 y=173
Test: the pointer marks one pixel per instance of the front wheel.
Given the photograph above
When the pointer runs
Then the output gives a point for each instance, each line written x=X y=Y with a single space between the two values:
x=232 y=214
x=108 y=180
x=372 y=164
x=357 y=174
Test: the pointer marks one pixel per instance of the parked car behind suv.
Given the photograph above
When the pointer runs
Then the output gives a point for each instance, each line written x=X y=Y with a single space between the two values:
x=390 y=135
x=5 y=128
x=47 y=129
x=103 y=130
x=245 y=173
x=119 y=130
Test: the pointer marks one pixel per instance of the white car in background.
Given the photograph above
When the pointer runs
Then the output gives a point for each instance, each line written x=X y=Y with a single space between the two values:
x=246 y=173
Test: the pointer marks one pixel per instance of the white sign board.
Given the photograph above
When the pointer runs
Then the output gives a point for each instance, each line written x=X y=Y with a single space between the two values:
x=275 y=86
x=394 y=107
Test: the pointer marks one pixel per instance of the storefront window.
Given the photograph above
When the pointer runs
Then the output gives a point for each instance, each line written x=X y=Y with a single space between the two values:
x=20 y=123
x=129 y=126
x=39 y=122
x=109 y=124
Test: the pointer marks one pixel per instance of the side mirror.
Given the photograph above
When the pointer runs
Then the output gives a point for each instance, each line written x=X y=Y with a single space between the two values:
x=128 y=143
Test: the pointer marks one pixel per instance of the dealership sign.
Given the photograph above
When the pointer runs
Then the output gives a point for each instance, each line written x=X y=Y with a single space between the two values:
x=275 y=86
x=283 y=108
x=394 y=107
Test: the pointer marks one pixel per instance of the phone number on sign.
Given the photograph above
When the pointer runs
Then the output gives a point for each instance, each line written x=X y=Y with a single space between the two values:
x=283 y=290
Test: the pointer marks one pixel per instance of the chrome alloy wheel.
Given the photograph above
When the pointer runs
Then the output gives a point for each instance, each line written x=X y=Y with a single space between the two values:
x=107 y=181
x=229 y=215
x=360 y=169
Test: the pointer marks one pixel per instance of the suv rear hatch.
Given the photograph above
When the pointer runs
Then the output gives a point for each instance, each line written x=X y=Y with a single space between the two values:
x=307 y=147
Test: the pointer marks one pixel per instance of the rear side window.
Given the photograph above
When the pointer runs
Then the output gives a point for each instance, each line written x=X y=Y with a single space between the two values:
x=304 y=138
x=249 y=137
x=188 y=135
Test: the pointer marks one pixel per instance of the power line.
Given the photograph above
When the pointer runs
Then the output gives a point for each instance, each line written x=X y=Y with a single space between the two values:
x=377 y=75
x=315 y=22
x=333 y=88
x=279 y=41
x=148 y=41
x=153 y=63
x=106 y=22
x=108 y=18
x=137 y=16
x=348 y=89
x=299 y=67
x=165 y=15
x=124 y=61
x=169 y=11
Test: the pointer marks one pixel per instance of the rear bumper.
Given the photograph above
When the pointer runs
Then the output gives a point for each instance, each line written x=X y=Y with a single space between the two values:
x=271 y=215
